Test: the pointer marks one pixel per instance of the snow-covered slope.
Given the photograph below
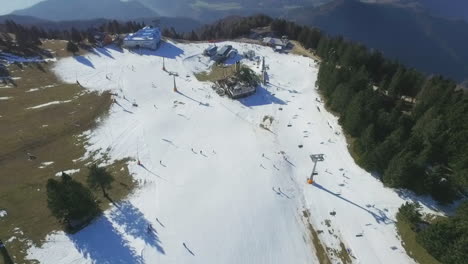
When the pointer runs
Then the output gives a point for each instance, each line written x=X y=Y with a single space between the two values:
x=215 y=186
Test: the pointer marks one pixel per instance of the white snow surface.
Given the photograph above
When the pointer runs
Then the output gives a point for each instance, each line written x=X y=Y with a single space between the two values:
x=205 y=187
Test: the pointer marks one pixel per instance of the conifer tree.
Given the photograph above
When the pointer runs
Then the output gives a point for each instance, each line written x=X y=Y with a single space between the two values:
x=99 y=177
x=70 y=201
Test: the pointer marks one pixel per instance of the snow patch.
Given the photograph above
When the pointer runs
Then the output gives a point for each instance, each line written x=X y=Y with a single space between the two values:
x=41 y=88
x=69 y=172
x=48 y=104
x=3 y=213
x=45 y=164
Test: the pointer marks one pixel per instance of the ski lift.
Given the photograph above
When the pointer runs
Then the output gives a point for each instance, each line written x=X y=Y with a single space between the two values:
x=315 y=158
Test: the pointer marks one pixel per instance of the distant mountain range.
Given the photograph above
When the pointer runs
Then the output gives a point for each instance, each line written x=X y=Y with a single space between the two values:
x=180 y=24
x=457 y=9
x=209 y=10
x=58 y=10
x=452 y=9
x=430 y=44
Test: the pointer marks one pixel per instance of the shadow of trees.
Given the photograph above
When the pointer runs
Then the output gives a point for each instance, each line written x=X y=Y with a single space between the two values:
x=102 y=243
x=85 y=61
x=166 y=50
x=135 y=224
x=261 y=97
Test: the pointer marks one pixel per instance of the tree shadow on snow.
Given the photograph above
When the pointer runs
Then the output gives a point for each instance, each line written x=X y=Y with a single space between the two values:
x=427 y=201
x=261 y=97
x=83 y=60
x=114 y=48
x=135 y=224
x=104 y=52
x=166 y=50
x=102 y=243
x=380 y=215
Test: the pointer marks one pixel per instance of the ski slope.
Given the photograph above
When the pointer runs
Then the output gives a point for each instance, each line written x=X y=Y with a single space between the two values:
x=213 y=184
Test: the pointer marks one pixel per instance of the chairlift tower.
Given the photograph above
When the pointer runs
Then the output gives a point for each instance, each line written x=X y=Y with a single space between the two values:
x=315 y=158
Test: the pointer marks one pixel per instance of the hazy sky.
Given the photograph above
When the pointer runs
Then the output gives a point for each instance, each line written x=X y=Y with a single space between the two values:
x=8 y=6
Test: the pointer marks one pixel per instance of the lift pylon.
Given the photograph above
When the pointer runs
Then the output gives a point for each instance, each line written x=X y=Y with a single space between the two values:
x=315 y=158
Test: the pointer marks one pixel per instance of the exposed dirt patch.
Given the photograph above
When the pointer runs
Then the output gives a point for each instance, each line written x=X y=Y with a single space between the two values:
x=319 y=248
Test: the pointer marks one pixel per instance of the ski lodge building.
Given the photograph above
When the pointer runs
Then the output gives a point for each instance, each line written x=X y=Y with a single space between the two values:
x=147 y=37
x=276 y=43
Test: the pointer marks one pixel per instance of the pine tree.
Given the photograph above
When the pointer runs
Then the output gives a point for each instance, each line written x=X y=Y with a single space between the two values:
x=76 y=36
x=91 y=38
x=410 y=212
x=70 y=201
x=99 y=177
x=72 y=47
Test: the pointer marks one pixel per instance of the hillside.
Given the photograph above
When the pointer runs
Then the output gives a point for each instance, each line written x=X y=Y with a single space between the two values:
x=430 y=44
x=214 y=185
x=87 y=9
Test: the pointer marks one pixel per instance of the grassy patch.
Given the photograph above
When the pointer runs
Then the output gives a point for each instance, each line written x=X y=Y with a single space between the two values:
x=216 y=73
x=412 y=247
x=298 y=49
x=226 y=6
x=59 y=48
x=51 y=134
x=319 y=248
x=344 y=255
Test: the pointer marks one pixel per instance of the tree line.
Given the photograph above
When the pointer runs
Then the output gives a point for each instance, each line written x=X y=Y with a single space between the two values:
x=410 y=129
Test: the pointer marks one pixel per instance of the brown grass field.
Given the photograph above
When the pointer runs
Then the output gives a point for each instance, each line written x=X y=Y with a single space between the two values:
x=50 y=133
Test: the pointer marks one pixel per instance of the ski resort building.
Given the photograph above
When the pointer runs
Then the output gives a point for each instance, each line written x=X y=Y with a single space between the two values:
x=102 y=38
x=276 y=43
x=224 y=53
x=147 y=37
x=239 y=91
x=210 y=51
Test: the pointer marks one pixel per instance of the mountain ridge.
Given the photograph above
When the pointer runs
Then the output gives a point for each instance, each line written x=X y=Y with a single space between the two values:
x=59 y=10
x=431 y=44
